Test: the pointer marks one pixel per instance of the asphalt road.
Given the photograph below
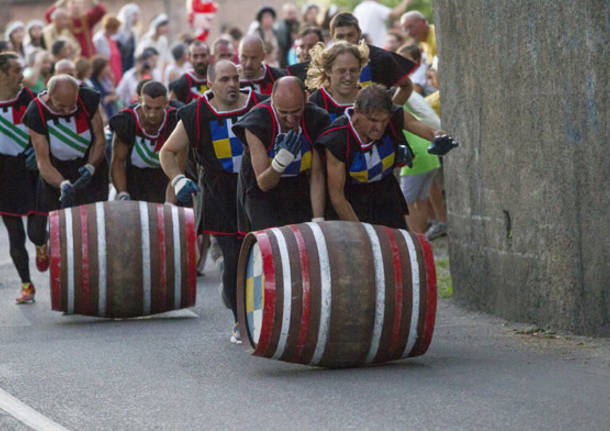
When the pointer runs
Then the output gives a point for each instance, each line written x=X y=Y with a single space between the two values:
x=180 y=372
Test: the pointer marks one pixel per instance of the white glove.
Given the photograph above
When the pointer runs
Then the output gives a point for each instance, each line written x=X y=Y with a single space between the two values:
x=123 y=196
x=282 y=159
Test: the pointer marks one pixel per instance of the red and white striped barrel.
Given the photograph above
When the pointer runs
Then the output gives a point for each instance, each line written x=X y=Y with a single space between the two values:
x=336 y=294
x=122 y=259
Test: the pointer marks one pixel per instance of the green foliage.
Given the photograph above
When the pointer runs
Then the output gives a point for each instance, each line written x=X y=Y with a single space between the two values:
x=424 y=6
x=443 y=278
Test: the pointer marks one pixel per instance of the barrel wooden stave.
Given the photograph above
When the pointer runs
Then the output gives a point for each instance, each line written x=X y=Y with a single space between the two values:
x=117 y=264
x=353 y=294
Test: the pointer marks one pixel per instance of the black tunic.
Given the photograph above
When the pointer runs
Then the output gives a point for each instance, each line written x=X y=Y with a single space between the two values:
x=289 y=202
x=70 y=138
x=370 y=186
x=188 y=87
x=384 y=67
x=325 y=101
x=146 y=181
x=17 y=183
x=219 y=152
x=263 y=85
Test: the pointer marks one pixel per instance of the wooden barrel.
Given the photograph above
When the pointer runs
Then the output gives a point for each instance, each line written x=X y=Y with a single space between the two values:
x=122 y=259
x=336 y=294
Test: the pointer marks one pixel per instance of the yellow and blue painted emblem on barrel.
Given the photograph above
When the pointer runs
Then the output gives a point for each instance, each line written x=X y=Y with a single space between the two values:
x=255 y=293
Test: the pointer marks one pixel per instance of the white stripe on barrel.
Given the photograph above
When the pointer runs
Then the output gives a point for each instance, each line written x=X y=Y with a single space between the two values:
x=177 y=265
x=144 y=228
x=325 y=292
x=100 y=219
x=287 y=288
x=70 y=259
x=379 y=292
x=415 y=289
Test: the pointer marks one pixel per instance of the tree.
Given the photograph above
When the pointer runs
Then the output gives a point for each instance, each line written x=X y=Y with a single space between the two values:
x=424 y=6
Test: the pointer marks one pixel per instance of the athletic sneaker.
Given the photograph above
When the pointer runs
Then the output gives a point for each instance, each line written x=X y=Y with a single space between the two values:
x=235 y=336
x=42 y=258
x=27 y=293
x=436 y=231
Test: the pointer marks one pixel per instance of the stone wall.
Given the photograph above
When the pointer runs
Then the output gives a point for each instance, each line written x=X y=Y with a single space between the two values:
x=524 y=87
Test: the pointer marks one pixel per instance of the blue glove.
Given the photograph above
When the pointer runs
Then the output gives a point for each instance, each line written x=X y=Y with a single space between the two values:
x=287 y=147
x=185 y=188
x=30 y=159
x=290 y=141
x=404 y=156
x=442 y=145
x=68 y=194
x=86 y=173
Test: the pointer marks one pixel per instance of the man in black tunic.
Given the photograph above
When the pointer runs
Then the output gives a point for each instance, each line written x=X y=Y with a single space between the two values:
x=205 y=130
x=281 y=179
x=66 y=129
x=139 y=134
x=362 y=148
x=253 y=72
x=18 y=171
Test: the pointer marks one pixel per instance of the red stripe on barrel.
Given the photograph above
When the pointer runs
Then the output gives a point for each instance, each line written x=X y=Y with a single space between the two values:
x=396 y=263
x=55 y=253
x=269 y=308
x=189 y=219
x=161 y=301
x=84 y=260
x=431 y=290
x=306 y=292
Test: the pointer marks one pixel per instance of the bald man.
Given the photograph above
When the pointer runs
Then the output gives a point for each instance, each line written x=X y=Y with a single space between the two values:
x=205 y=130
x=253 y=72
x=281 y=179
x=417 y=27
x=65 y=67
x=66 y=129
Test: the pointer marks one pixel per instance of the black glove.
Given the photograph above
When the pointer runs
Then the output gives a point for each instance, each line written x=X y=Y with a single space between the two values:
x=442 y=145
x=30 y=159
x=68 y=194
x=86 y=173
x=404 y=156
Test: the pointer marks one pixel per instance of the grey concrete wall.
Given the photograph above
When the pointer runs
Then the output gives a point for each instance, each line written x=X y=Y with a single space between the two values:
x=524 y=87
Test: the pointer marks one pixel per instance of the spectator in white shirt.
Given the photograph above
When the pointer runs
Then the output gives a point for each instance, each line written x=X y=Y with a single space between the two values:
x=372 y=17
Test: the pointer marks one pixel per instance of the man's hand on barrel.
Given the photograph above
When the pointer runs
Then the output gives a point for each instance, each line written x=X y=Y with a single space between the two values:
x=123 y=196
x=67 y=196
x=286 y=149
x=86 y=173
x=185 y=189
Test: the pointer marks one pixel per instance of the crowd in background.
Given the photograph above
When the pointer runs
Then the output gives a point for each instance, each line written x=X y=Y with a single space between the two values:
x=110 y=54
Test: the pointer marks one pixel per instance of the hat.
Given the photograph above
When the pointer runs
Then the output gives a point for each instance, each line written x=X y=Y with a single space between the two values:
x=264 y=10
x=11 y=28
x=34 y=23
x=202 y=6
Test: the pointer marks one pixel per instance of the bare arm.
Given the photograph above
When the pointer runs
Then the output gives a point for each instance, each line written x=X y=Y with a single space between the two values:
x=43 y=158
x=418 y=128
x=399 y=9
x=336 y=185
x=97 y=151
x=266 y=177
x=404 y=90
x=317 y=186
x=118 y=164
x=173 y=153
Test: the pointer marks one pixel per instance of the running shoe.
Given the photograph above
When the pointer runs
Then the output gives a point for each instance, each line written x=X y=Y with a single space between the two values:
x=27 y=293
x=436 y=231
x=42 y=258
x=235 y=336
